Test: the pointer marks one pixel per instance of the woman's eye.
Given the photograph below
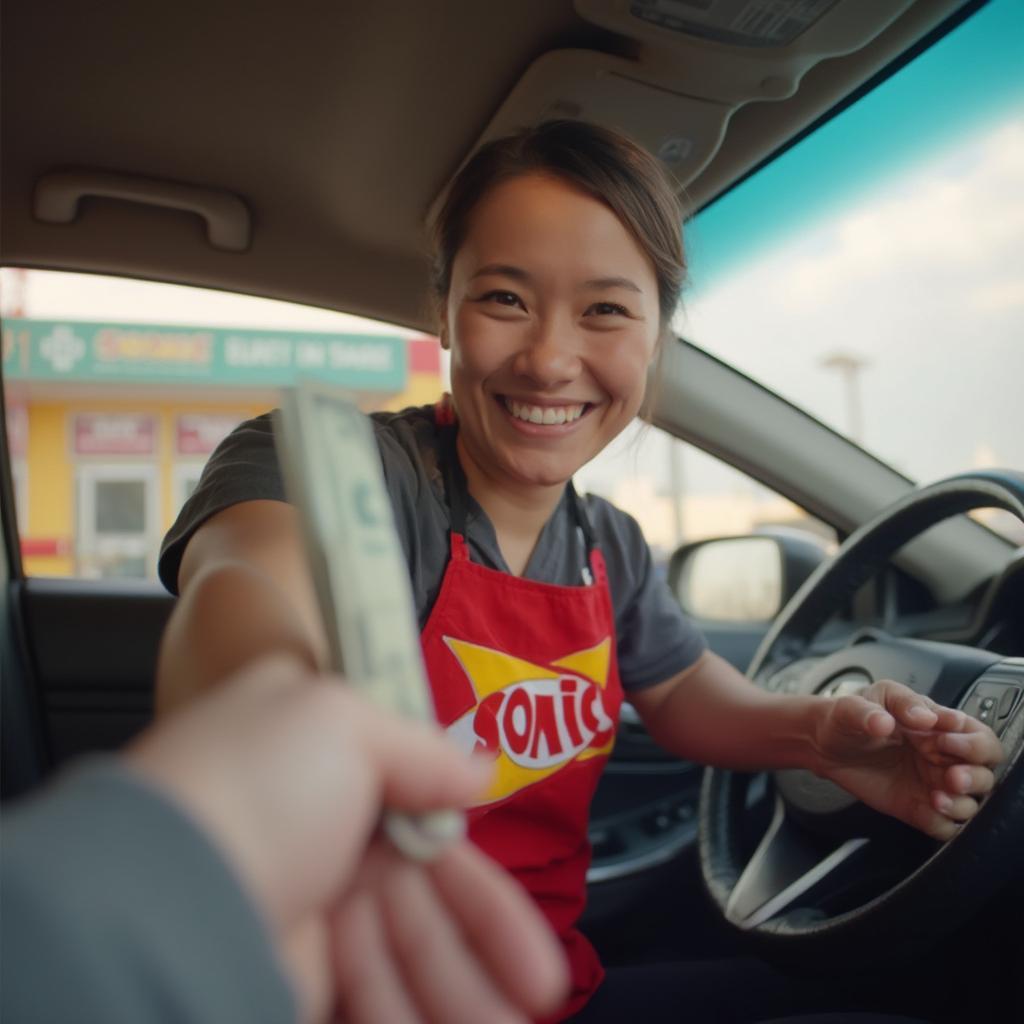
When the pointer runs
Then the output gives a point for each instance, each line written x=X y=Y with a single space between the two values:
x=607 y=309
x=503 y=298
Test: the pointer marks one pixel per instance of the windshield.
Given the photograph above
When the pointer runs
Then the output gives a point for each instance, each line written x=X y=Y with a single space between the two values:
x=874 y=274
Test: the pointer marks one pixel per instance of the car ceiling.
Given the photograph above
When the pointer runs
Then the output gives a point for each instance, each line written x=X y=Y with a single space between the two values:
x=337 y=125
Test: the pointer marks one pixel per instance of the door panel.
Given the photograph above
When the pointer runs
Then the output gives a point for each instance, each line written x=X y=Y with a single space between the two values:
x=95 y=686
x=735 y=643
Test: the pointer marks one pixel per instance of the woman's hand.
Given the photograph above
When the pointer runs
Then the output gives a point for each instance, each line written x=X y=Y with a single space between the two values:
x=907 y=756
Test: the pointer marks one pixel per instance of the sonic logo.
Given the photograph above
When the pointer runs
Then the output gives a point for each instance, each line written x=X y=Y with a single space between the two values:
x=533 y=719
x=542 y=722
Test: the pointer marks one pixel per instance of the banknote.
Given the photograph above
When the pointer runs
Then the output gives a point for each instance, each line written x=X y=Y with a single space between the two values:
x=333 y=475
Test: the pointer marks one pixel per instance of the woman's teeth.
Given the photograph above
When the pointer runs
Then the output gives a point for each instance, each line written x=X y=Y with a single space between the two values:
x=548 y=415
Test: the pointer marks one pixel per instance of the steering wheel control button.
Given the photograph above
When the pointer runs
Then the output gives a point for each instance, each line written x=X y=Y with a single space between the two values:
x=605 y=844
x=1009 y=698
x=994 y=698
x=659 y=823
x=684 y=812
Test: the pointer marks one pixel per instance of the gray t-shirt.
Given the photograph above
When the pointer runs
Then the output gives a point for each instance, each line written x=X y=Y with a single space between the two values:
x=654 y=639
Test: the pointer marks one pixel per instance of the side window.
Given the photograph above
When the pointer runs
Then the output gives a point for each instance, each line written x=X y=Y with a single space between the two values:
x=679 y=493
x=117 y=391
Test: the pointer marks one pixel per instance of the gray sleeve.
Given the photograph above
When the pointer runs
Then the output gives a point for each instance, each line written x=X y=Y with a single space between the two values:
x=656 y=640
x=116 y=908
x=244 y=467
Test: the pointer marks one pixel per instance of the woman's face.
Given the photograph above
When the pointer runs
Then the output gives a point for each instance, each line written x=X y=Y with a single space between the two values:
x=552 y=323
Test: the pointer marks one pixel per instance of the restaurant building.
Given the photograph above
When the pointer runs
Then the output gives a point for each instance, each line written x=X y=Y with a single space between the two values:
x=109 y=424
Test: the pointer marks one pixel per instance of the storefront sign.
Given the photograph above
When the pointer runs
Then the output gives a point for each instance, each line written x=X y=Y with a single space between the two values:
x=113 y=434
x=148 y=353
x=199 y=435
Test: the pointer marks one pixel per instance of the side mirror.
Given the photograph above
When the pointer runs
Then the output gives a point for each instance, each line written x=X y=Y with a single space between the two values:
x=741 y=579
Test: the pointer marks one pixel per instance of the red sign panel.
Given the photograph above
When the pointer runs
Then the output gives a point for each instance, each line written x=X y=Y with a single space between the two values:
x=114 y=434
x=424 y=355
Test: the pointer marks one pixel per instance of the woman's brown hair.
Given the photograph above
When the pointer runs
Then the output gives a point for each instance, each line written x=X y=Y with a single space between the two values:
x=602 y=162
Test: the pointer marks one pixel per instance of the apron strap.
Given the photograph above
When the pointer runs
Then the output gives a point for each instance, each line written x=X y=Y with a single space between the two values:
x=457 y=494
x=456 y=488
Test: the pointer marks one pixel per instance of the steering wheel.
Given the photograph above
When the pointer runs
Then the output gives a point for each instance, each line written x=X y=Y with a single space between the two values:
x=801 y=895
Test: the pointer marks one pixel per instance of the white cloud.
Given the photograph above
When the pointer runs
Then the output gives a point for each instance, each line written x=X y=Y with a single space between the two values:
x=998 y=297
x=946 y=218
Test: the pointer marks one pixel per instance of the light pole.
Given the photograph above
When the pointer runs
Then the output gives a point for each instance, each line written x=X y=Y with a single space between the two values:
x=849 y=366
x=676 y=486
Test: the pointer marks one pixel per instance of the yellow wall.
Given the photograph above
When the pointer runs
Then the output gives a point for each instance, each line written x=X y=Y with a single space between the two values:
x=51 y=488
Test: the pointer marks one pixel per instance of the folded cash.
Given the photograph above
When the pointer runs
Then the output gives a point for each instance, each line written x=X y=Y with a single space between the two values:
x=332 y=474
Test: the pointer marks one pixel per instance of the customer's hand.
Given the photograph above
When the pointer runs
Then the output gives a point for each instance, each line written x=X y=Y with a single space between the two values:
x=288 y=772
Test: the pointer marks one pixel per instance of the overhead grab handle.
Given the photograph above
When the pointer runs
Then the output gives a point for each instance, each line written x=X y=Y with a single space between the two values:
x=228 y=224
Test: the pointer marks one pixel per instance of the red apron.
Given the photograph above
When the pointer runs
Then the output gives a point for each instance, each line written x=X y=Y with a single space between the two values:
x=527 y=671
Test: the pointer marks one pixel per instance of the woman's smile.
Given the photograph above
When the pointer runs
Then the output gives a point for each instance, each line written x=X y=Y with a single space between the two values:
x=526 y=413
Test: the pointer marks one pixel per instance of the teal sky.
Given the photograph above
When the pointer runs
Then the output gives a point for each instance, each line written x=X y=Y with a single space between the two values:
x=964 y=82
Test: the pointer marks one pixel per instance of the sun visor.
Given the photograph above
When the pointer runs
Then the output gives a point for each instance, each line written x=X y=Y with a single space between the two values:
x=682 y=131
x=695 y=63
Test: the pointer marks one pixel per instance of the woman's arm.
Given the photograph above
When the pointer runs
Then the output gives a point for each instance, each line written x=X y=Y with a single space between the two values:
x=245 y=591
x=711 y=713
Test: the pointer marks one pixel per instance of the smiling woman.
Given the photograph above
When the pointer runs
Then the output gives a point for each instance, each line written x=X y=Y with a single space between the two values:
x=539 y=610
x=553 y=307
